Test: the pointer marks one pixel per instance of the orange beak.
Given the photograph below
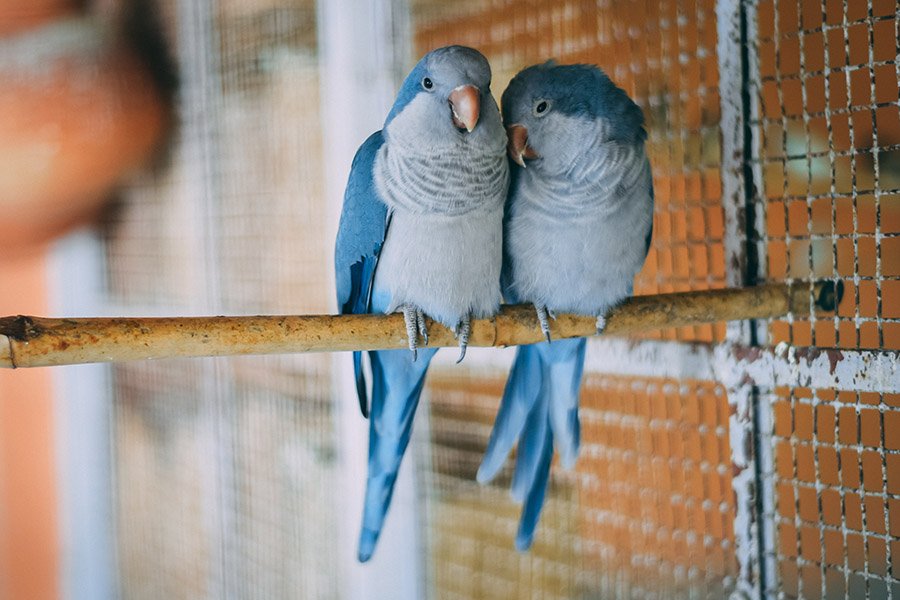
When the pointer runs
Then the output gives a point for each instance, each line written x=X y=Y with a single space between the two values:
x=517 y=144
x=465 y=104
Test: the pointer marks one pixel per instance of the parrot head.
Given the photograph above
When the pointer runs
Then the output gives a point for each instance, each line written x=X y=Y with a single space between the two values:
x=446 y=99
x=551 y=111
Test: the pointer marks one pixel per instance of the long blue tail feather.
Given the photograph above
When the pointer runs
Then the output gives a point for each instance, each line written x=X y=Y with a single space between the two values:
x=531 y=443
x=534 y=502
x=397 y=384
x=539 y=406
x=564 y=367
x=521 y=392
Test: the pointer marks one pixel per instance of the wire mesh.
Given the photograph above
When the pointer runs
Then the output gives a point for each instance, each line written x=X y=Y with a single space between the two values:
x=827 y=168
x=164 y=462
x=656 y=488
x=470 y=528
x=835 y=477
x=646 y=512
x=828 y=163
x=226 y=470
x=668 y=530
x=663 y=54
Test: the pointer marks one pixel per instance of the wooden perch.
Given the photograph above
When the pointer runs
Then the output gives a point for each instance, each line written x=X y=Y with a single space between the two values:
x=37 y=341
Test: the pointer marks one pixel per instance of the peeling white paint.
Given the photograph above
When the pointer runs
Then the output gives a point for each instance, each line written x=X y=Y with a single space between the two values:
x=847 y=370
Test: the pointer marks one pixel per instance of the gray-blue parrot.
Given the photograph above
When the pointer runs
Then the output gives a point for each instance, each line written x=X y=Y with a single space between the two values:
x=421 y=233
x=577 y=229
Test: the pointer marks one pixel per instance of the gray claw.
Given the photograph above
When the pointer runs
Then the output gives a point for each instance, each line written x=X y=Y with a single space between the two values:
x=423 y=331
x=462 y=331
x=544 y=316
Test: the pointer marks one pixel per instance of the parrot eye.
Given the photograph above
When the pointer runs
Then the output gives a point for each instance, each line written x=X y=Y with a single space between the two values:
x=427 y=83
x=541 y=108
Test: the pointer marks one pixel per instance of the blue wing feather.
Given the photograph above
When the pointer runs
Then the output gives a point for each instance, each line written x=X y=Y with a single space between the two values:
x=361 y=233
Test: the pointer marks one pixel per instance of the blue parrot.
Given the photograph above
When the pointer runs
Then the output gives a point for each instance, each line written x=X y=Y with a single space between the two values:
x=421 y=233
x=577 y=229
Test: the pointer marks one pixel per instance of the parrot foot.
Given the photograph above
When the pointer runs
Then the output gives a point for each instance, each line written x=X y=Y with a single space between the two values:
x=544 y=317
x=601 y=324
x=462 y=331
x=415 y=324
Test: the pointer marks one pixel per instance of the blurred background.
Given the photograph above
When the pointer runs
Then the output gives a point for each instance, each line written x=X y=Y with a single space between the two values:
x=167 y=157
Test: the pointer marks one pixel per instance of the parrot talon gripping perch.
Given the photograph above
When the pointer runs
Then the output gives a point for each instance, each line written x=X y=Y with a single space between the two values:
x=415 y=324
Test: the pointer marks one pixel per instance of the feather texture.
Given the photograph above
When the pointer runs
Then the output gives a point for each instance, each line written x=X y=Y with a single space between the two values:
x=421 y=196
x=576 y=231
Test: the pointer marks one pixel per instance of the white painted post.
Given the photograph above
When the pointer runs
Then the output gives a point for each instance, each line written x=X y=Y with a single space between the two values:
x=742 y=395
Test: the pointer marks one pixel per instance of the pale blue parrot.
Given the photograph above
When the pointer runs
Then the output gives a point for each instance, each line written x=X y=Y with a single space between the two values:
x=421 y=233
x=577 y=229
